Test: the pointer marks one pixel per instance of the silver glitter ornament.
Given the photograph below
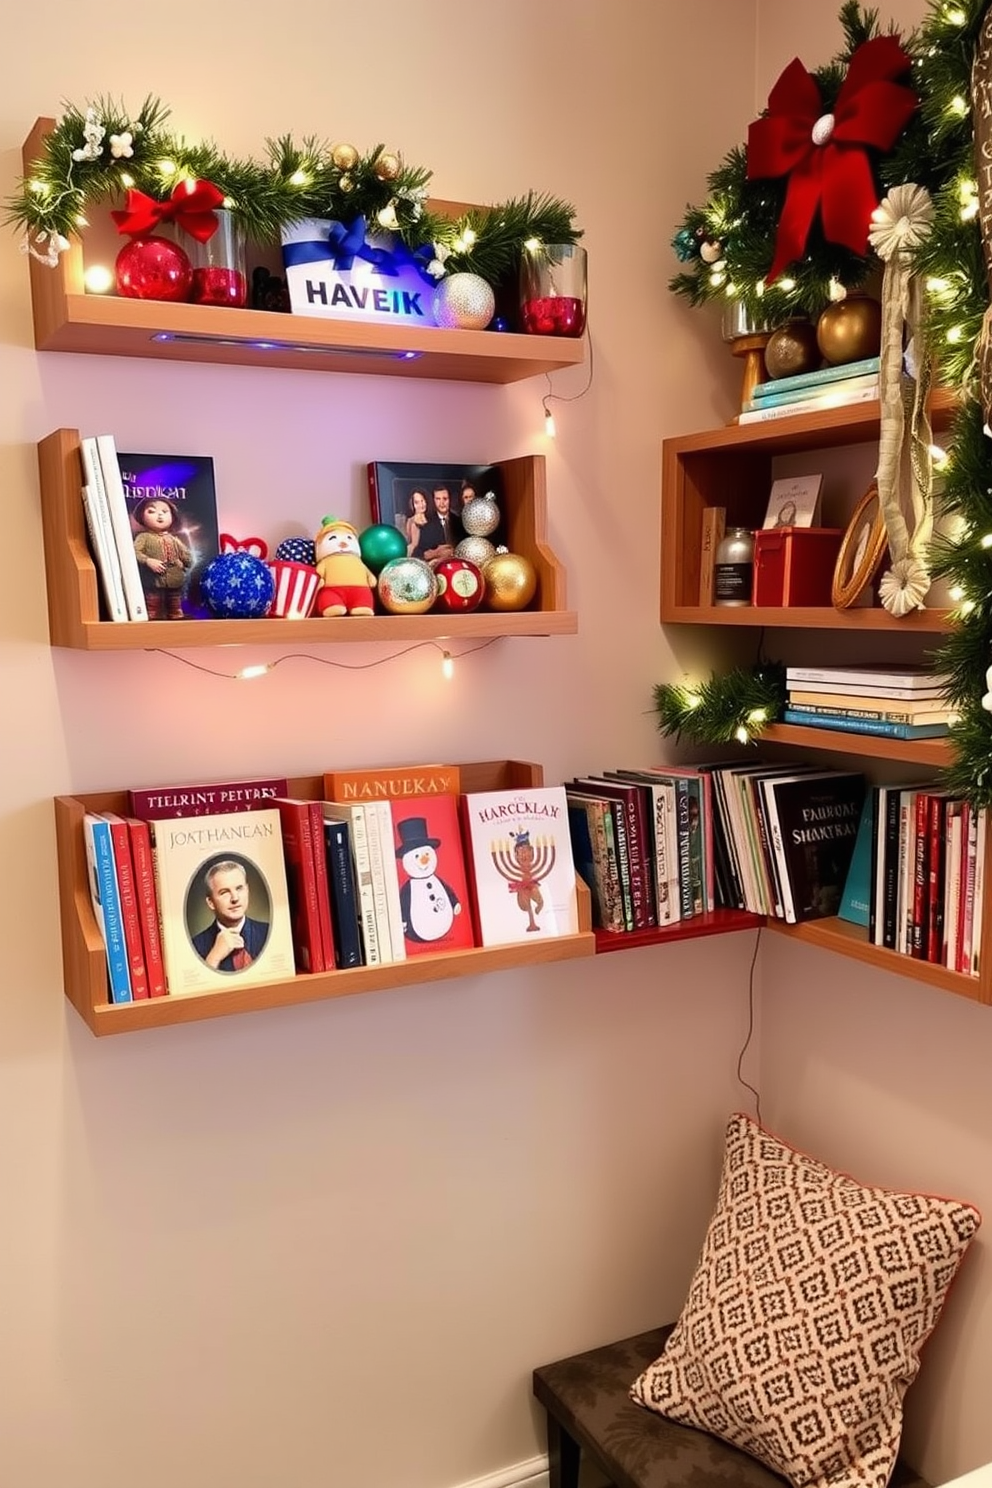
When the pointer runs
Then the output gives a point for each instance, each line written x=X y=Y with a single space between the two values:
x=464 y=302
x=480 y=514
x=476 y=549
x=407 y=586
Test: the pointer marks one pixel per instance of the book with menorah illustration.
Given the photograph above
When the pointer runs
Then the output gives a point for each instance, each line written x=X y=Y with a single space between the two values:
x=519 y=852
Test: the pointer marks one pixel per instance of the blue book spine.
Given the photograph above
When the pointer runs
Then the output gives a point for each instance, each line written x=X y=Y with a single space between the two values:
x=344 y=896
x=816 y=379
x=781 y=399
x=113 y=920
x=855 y=903
x=865 y=725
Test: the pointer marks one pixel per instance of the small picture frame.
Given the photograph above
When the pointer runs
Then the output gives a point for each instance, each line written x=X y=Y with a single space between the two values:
x=794 y=502
x=861 y=551
x=425 y=502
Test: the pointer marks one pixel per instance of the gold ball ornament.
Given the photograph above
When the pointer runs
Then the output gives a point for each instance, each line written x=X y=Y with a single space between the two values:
x=510 y=580
x=850 y=329
x=464 y=302
x=407 y=586
x=345 y=157
x=387 y=166
x=791 y=349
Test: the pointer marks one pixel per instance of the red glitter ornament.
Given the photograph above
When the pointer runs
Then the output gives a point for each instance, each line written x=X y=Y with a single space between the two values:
x=554 y=315
x=153 y=268
x=460 y=585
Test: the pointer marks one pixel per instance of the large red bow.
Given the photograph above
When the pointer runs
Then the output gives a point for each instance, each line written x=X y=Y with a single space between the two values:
x=191 y=206
x=824 y=154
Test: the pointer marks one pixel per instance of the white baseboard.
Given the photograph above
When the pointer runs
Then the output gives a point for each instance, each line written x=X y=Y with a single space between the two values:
x=530 y=1474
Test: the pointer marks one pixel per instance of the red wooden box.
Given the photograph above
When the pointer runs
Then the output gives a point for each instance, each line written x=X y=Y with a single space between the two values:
x=795 y=565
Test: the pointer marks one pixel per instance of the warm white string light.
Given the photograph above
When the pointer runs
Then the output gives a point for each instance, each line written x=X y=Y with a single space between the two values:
x=255 y=670
x=553 y=397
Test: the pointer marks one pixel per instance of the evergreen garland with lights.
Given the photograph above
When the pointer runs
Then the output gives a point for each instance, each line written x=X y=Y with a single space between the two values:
x=734 y=708
x=99 y=152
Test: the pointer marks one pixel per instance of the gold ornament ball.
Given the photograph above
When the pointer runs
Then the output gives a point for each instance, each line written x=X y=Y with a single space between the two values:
x=850 y=330
x=510 y=580
x=387 y=167
x=791 y=349
x=345 y=157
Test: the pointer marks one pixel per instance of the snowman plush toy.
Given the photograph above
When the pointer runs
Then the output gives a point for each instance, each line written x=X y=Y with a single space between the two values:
x=427 y=903
x=347 y=585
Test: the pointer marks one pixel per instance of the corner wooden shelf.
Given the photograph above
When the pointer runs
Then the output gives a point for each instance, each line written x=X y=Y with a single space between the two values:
x=719 y=922
x=852 y=940
x=73 y=585
x=732 y=467
x=84 y=960
x=934 y=753
x=66 y=318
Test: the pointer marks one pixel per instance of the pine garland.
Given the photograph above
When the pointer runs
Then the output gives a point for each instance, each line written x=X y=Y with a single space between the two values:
x=97 y=153
x=734 y=708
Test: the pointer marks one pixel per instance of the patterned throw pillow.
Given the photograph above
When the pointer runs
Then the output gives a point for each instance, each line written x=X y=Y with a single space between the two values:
x=806 y=1314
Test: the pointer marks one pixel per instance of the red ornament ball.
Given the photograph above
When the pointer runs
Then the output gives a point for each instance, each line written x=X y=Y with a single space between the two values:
x=460 y=585
x=153 y=268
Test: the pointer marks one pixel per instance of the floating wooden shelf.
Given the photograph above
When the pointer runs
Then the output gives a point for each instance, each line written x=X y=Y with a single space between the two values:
x=66 y=318
x=73 y=585
x=720 y=922
x=852 y=940
x=935 y=753
x=731 y=467
x=85 y=965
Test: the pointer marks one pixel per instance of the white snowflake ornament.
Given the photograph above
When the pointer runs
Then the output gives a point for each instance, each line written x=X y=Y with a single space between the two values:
x=121 y=145
x=904 y=586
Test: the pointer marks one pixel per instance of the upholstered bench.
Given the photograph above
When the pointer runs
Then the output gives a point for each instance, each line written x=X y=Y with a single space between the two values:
x=589 y=1409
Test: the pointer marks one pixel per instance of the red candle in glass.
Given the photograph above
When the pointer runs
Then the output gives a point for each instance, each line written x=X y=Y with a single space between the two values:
x=219 y=286
x=553 y=315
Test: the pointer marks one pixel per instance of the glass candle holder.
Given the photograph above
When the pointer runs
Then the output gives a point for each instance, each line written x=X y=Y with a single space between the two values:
x=553 y=290
x=220 y=275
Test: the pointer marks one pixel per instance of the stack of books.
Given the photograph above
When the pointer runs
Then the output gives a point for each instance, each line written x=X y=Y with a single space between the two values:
x=916 y=879
x=831 y=387
x=204 y=887
x=894 y=702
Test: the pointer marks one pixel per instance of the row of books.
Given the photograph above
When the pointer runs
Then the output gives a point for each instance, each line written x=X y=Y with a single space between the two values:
x=661 y=845
x=887 y=701
x=198 y=884
x=116 y=490
x=828 y=387
x=917 y=875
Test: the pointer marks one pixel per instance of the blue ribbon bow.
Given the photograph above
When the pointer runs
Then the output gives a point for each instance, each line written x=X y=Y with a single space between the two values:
x=346 y=241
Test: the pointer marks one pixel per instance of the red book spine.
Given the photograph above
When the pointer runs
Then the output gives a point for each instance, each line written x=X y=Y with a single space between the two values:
x=129 y=906
x=935 y=879
x=921 y=876
x=144 y=887
x=323 y=886
x=298 y=851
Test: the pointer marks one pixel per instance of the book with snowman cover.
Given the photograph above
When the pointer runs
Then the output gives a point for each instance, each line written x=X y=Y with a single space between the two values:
x=521 y=865
x=223 y=900
x=434 y=896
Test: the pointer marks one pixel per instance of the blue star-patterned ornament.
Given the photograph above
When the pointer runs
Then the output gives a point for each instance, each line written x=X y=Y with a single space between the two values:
x=238 y=586
x=296 y=550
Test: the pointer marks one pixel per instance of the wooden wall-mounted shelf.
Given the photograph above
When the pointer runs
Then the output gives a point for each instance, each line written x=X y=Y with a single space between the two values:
x=66 y=318
x=73 y=585
x=85 y=965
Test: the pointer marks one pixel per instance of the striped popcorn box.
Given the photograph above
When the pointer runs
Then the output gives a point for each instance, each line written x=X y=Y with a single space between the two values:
x=296 y=589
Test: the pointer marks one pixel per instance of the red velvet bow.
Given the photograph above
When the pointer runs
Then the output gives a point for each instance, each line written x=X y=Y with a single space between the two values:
x=191 y=206
x=832 y=172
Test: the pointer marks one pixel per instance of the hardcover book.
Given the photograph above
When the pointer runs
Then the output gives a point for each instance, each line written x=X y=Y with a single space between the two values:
x=855 y=900
x=144 y=883
x=346 y=925
x=914 y=679
x=608 y=897
x=301 y=879
x=184 y=486
x=434 y=894
x=102 y=541
x=353 y=814
x=204 y=800
x=814 y=823
x=224 y=900
x=794 y=501
x=881 y=728
x=520 y=856
x=102 y=878
x=127 y=894
x=103 y=462
x=392 y=784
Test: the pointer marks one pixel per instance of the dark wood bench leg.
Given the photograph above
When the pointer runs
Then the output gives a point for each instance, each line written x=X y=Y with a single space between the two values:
x=563 y=1456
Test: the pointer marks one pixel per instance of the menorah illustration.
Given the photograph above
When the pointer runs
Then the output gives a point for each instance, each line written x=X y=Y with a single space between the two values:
x=523 y=864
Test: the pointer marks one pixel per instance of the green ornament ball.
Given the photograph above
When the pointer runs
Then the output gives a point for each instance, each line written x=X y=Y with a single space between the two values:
x=380 y=545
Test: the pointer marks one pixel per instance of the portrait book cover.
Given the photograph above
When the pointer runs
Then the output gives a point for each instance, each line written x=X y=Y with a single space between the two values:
x=185 y=484
x=521 y=864
x=223 y=900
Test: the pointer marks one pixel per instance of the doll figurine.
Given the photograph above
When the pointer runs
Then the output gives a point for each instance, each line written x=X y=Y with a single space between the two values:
x=347 y=585
x=164 y=560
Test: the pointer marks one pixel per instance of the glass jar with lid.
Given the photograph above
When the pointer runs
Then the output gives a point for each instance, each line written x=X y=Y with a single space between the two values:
x=733 y=569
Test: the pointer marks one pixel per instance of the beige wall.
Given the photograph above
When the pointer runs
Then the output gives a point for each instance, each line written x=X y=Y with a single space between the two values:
x=230 y=1253
x=326 y=1245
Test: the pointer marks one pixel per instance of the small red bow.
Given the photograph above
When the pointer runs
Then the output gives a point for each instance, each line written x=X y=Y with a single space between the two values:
x=191 y=206
x=824 y=154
